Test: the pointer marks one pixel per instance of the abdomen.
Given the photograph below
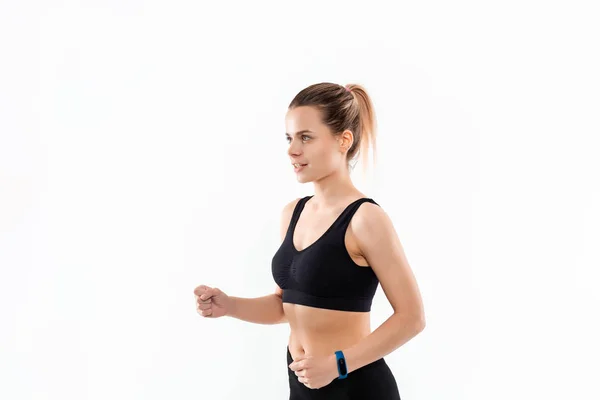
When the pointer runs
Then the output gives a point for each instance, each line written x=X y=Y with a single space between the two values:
x=317 y=331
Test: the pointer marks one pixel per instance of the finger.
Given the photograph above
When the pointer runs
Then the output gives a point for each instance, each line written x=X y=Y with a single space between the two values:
x=204 y=306
x=200 y=289
x=298 y=362
x=297 y=365
x=204 y=313
x=207 y=294
x=200 y=301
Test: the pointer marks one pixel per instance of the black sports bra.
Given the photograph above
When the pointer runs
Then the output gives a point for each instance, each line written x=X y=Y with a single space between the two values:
x=323 y=275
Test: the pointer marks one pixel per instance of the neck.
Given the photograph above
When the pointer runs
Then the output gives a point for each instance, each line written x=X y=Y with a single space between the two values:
x=333 y=189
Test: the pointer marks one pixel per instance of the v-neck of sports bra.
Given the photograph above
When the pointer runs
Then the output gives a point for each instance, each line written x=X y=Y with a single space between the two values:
x=328 y=229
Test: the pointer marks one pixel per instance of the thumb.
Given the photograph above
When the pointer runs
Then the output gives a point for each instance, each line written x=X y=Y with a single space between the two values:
x=297 y=363
x=210 y=292
x=200 y=290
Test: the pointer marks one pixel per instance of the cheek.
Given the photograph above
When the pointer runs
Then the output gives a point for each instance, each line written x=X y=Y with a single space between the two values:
x=330 y=159
x=324 y=156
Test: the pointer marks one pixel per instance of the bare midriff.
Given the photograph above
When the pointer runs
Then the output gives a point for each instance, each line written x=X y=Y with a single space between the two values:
x=320 y=332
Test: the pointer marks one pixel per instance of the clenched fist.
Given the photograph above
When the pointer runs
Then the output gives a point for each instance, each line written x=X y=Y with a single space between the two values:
x=211 y=302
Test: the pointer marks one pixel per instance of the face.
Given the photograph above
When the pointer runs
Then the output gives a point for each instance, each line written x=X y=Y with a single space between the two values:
x=313 y=144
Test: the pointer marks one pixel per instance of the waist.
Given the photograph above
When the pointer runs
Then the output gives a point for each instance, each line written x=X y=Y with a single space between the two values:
x=319 y=322
x=380 y=363
x=315 y=331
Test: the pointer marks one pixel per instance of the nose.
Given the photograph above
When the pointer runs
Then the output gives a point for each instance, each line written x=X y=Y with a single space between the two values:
x=295 y=148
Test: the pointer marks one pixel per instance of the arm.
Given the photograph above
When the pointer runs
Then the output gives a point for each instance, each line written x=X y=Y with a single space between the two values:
x=381 y=247
x=267 y=309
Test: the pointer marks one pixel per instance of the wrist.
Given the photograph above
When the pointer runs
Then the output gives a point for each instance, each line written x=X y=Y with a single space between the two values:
x=230 y=309
x=340 y=364
x=334 y=368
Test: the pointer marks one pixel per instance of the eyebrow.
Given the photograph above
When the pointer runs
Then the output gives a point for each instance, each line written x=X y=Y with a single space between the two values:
x=300 y=132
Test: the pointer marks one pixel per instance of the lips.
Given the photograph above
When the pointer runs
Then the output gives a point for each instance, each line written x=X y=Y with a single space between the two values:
x=299 y=168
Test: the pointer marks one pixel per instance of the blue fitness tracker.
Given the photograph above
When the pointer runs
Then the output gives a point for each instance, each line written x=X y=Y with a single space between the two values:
x=341 y=364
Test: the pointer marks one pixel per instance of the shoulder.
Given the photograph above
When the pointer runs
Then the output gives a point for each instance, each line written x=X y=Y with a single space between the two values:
x=288 y=208
x=286 y=216
x=370 y=221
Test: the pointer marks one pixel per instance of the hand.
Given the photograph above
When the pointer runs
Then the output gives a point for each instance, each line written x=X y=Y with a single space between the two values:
x=211 y=302
x=315 y=372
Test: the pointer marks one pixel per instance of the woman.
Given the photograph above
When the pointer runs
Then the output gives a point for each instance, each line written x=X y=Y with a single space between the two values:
x=337 y=246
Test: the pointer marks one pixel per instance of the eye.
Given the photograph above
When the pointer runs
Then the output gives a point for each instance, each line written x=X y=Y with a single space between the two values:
x=304 y=138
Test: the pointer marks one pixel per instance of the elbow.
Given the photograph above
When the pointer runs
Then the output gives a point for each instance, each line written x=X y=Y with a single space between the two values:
x=420 y=323
x=282 y=317
x=412 y=322
x=421 y=326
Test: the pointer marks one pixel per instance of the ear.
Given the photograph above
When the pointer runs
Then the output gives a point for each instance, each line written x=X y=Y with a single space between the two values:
x=345 y=140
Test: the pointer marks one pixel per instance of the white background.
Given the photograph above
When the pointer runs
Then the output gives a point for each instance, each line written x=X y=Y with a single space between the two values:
x=142 y=153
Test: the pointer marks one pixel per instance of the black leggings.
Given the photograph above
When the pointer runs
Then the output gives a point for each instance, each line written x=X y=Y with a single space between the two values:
x=374 y=381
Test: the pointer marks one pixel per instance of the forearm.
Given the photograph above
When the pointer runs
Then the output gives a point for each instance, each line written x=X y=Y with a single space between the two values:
x=266 y=310
x=393 y=333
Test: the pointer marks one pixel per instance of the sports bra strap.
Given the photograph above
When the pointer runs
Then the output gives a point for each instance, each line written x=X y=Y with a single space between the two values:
x=297 y=211
x=348 y=213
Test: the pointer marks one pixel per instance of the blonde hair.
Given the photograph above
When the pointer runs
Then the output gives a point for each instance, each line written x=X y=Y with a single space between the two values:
x=344 y=107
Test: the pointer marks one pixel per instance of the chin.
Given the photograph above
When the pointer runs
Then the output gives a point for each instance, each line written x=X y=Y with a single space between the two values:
x=304 y=178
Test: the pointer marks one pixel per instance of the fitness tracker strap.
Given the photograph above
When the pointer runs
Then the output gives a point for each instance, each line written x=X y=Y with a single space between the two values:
x=341 y=364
